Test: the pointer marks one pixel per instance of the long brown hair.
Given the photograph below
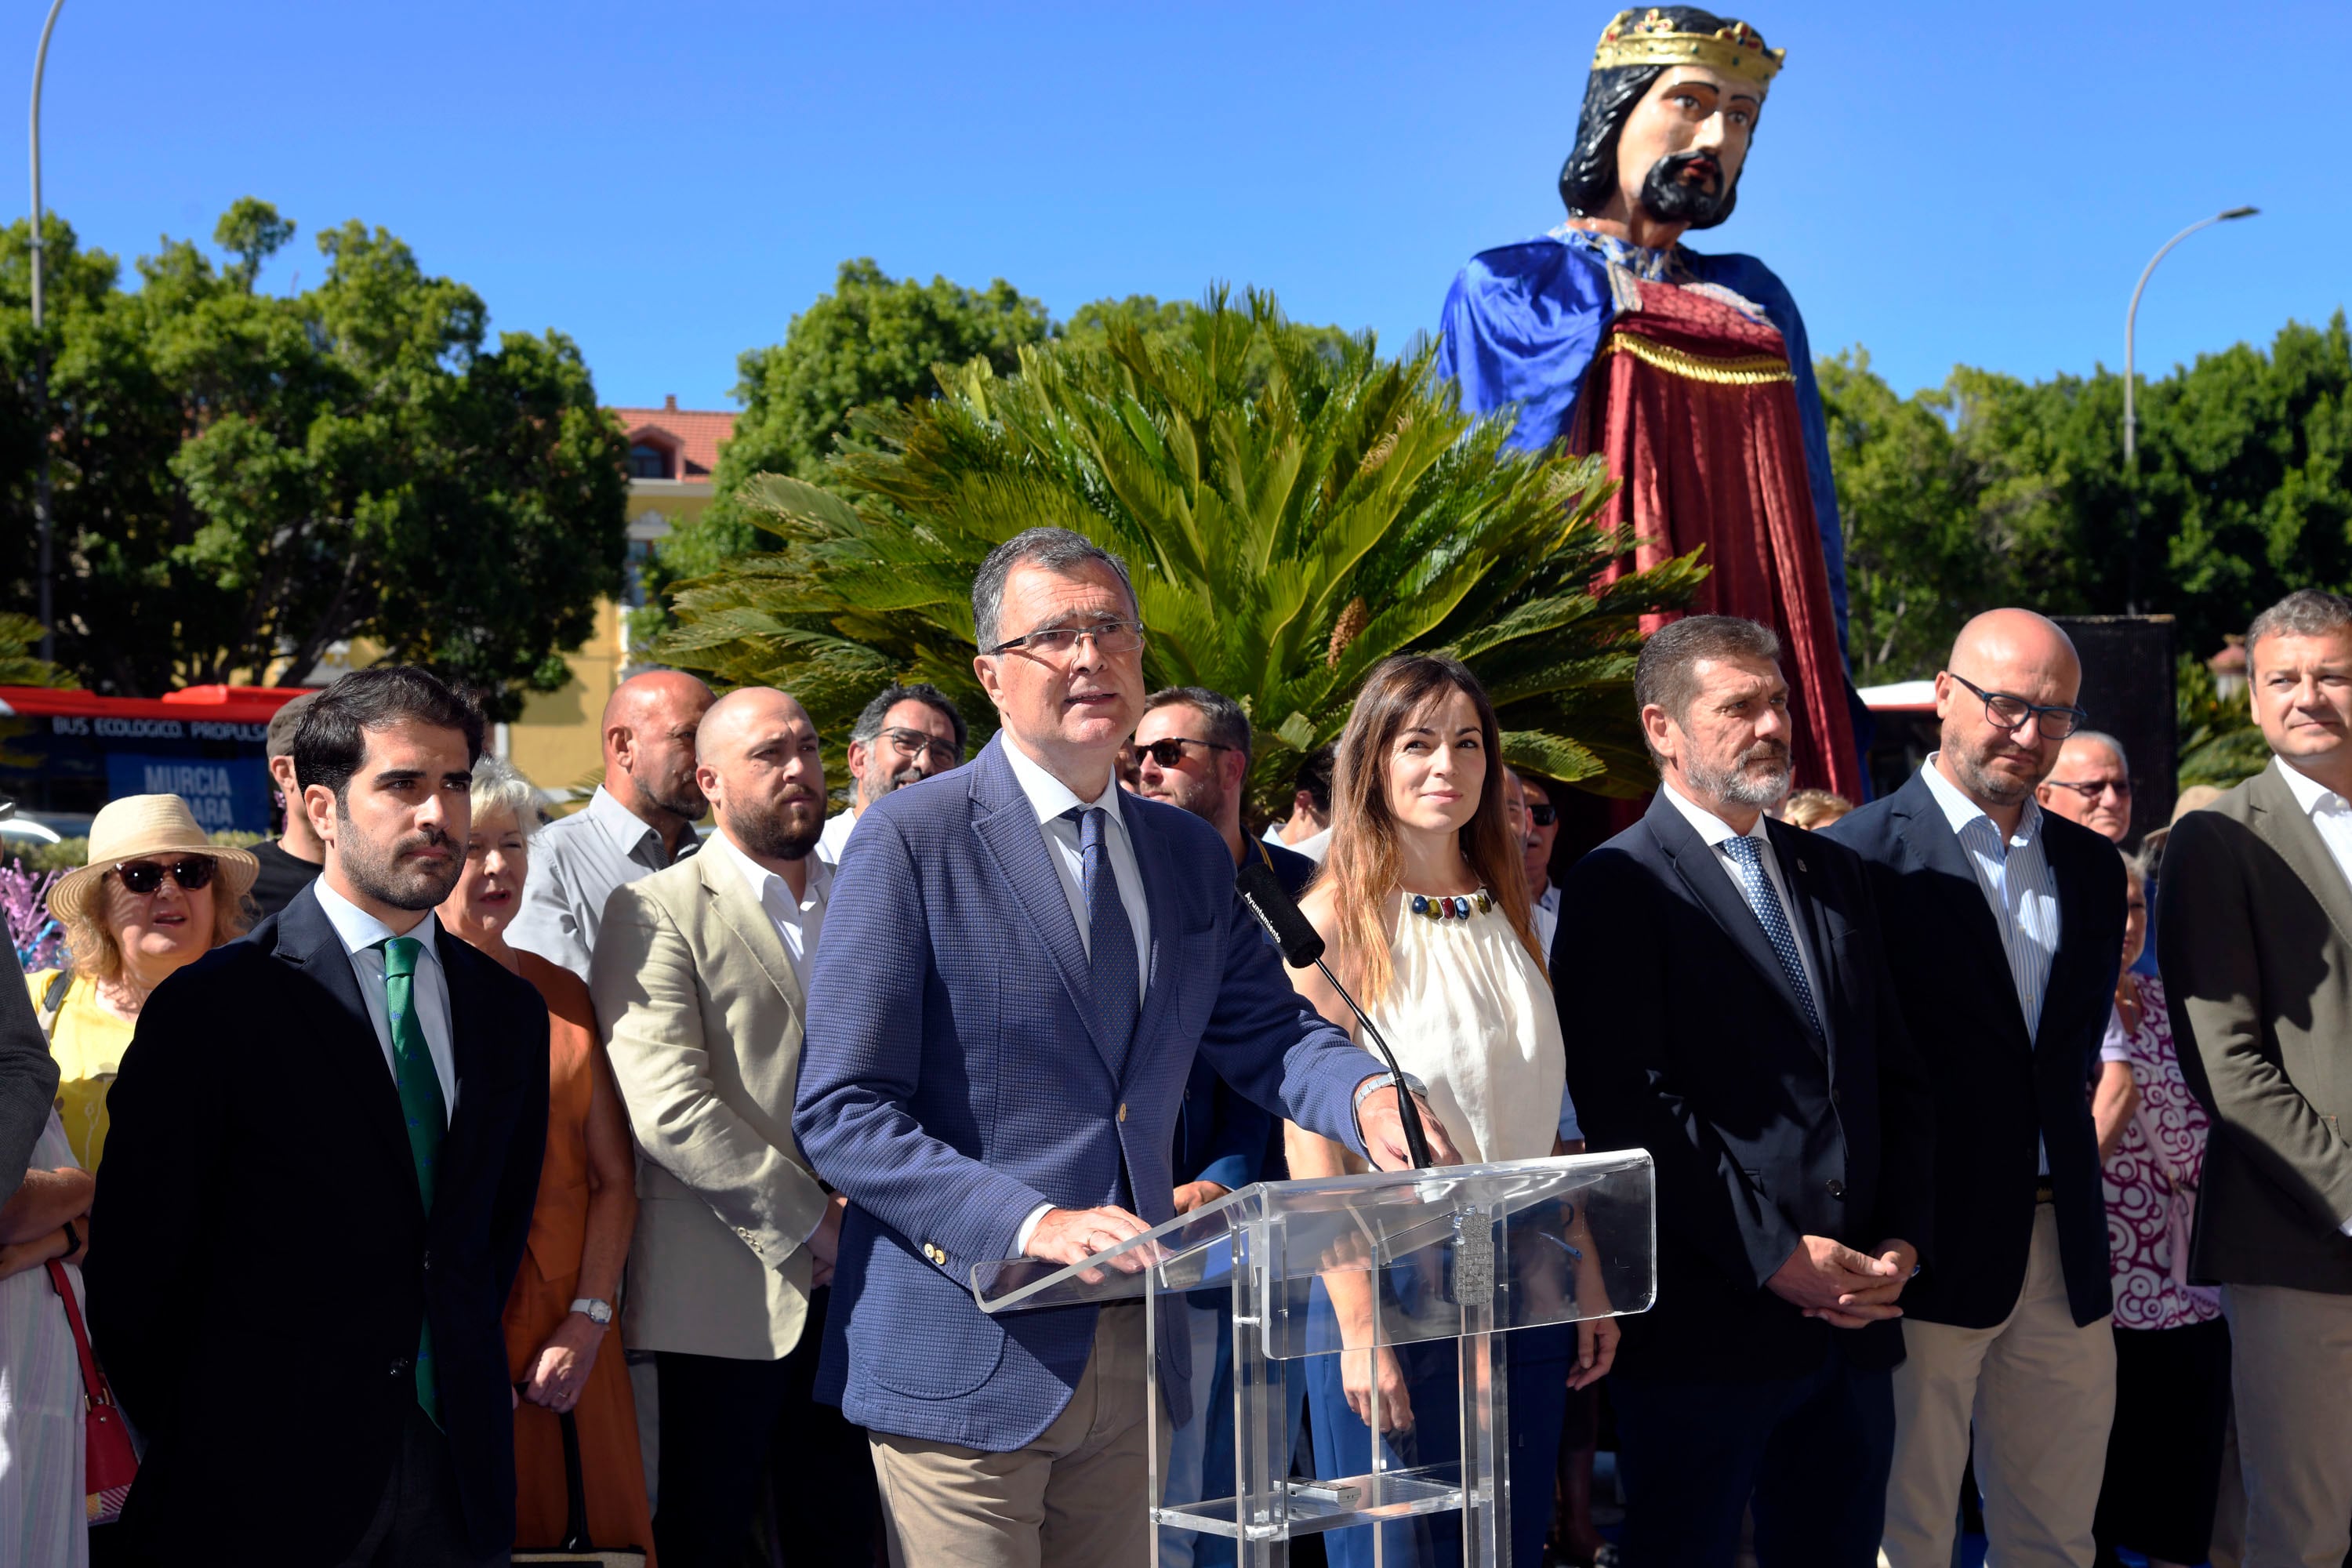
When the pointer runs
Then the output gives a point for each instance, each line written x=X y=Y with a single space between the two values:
x=1363 y=865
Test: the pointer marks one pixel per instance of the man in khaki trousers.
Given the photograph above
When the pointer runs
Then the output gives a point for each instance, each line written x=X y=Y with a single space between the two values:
x=2256 y=943
x=697 y=976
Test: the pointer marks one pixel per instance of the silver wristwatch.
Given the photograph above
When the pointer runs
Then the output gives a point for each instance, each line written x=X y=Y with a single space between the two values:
x=598 y=1312
x=1380 y=1081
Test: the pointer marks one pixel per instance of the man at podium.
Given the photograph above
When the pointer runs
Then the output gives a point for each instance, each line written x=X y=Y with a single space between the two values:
x=1021 y=961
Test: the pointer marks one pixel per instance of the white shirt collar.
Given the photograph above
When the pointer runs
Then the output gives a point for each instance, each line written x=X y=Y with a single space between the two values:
x=2309 y=793
x=360 y=929
x=759 y=878
x=1049 y=797
x=1712 y=830
x=1960 y=810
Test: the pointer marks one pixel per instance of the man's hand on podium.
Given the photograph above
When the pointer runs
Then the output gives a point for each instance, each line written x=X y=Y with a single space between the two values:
x=1192 y=1195
x=1382 y=1125
x=1845 y=1289
x=1071 y=1235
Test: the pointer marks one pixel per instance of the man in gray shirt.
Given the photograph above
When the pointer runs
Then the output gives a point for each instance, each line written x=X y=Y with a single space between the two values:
x=640 y=820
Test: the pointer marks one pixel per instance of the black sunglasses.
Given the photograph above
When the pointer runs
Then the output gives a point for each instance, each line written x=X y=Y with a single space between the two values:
x=1169 y=753
x=144 y=877
x=1542 y=816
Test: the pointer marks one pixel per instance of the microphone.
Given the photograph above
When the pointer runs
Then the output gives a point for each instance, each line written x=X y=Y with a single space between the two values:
x=1301 y=945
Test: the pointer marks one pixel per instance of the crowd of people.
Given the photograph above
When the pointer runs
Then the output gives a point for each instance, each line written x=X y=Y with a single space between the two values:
x=1980 y=1148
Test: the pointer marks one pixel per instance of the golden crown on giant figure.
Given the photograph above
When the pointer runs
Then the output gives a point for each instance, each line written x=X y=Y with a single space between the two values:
x=1648 y=38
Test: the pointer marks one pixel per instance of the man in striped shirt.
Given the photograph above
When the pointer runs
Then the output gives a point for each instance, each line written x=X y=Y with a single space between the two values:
x=2005 y=929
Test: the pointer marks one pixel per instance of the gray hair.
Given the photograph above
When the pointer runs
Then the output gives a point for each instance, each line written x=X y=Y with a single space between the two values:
x=1221 y=716
x=2123 y=758
x=1666 y=673
x=1056 y=549
x=868 y=728
x=2305 y=613
x=497 y=787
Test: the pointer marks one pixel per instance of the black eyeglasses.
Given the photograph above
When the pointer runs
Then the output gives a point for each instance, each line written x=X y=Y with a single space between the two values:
x=1542 y=816
x=916 y=743
x=1169 y=753
x=144 y=877
x=2055 y=720
x=2091 y=789
x=1060 y=642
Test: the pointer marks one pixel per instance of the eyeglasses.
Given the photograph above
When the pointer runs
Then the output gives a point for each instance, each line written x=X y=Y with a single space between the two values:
x=2055 y=720
x=1060 y=642
x=1169 y=753
x=2091 y=789
x=916 y=743
x=144 y=877
x=1542 y=816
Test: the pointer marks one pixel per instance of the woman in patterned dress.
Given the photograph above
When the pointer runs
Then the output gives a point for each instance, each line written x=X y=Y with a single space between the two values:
x=2172 y=1348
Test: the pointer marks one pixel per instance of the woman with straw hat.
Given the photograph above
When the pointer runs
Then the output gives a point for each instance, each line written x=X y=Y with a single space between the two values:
x=155 y=897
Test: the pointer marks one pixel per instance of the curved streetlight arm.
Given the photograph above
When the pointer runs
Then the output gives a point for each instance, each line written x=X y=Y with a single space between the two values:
x=2131 y=317
x=41 y=63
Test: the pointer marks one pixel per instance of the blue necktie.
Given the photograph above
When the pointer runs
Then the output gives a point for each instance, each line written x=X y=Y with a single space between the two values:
x=1110 y=941
x=1748 y=855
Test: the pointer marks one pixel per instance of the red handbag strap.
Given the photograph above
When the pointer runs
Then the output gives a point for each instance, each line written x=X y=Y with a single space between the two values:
x=93 y=1382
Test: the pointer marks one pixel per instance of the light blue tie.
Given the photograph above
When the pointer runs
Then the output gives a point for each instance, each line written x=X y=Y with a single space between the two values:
x=1110 y=939
x=1748 y=855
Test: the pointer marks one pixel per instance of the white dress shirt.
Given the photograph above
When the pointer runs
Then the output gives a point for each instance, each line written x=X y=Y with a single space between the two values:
x=1716 y=832
x=1050 y=797
x=1546 y=915
x=429 y=987
x=797 y=920
x=835 y=837
x=2019 y=888
x=2331 y=818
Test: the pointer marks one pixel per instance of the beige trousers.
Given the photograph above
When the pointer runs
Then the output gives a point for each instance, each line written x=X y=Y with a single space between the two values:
x=1072 y=1498
x=2291 y=1375
x=2040 y=1394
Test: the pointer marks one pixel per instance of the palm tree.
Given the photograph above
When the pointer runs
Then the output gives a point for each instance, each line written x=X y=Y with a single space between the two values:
x=1293 y=512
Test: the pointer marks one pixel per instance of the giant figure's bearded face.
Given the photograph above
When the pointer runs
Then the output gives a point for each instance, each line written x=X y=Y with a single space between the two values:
x=1684 y=143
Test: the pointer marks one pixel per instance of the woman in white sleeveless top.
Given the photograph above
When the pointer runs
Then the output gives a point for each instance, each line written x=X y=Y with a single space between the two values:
x=1422 y=901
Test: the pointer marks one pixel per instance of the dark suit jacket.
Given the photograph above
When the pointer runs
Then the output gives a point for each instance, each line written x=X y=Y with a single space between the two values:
x=268 y=1260
x=2257 y=961
x=1221 y=1137
x=1997 y=1091
x=1685 y=1038
x=954 y=1078
x=28 y=1076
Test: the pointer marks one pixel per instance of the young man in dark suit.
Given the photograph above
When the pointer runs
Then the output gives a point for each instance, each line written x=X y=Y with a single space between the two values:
x=1729 y=1008
x=325 y=1147
x=2010 y=922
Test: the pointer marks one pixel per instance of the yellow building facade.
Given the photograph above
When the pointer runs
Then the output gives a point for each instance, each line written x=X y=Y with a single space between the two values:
x=558 y=742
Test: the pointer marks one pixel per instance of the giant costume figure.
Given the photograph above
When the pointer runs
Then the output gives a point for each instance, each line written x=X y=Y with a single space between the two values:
x=1690 y=374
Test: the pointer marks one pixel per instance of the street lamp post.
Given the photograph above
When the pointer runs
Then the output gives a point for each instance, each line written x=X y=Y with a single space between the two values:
x=2131 y=384
x=41 y=361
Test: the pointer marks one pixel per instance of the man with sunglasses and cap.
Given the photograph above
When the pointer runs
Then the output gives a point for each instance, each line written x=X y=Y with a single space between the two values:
x=904 y=735
x=2012 y=919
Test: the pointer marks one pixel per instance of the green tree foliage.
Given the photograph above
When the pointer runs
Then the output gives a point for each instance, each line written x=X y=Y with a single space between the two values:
x=243 y=480
x=1992 y=490
x=1286 y=534
x=20 y=660
x=2220 y=744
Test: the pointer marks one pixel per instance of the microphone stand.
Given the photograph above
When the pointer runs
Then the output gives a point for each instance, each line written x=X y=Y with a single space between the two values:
x=1416 y=1142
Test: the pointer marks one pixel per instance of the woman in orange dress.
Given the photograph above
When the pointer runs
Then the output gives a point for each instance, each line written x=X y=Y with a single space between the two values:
x=562 y=1309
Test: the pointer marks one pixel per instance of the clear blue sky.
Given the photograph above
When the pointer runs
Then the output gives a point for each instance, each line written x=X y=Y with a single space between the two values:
x=669 y=183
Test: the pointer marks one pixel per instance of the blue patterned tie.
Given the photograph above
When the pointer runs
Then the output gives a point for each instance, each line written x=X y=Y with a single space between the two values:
x=425 y=1111
x=1749 y=855
x=1110 y=941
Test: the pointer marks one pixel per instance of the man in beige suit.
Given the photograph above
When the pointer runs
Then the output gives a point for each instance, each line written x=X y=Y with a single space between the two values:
x=697 y=975
x=2255 y=939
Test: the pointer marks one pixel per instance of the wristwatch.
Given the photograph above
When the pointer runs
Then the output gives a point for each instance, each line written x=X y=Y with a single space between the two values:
x=1373 y=1086
x=598 y=1312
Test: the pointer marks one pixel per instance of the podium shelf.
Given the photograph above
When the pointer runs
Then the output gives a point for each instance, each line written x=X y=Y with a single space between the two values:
x=1313 y=1508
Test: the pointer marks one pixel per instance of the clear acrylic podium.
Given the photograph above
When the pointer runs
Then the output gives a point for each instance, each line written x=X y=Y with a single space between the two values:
x=1399 y=1296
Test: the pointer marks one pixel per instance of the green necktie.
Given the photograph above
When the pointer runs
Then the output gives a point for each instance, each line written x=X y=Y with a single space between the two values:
x=421 y=1107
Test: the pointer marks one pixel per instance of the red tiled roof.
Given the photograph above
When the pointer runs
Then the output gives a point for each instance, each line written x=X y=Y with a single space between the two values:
x=696 y=433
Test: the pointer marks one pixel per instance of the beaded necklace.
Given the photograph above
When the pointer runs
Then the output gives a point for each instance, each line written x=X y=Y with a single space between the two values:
x=1450 y=906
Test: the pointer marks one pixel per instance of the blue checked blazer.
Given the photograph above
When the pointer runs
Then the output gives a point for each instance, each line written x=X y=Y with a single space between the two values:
x=952 y=1083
